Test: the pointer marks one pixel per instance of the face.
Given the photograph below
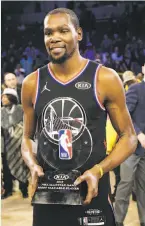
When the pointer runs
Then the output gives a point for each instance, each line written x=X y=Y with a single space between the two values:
x=5 y=100
x=60 y=37
x=11 y=81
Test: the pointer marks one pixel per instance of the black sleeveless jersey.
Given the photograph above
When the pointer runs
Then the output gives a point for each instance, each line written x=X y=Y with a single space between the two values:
x=71 y=134
x=72 y=106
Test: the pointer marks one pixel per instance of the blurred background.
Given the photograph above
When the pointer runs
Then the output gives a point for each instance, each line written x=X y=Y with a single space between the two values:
x=113 y=34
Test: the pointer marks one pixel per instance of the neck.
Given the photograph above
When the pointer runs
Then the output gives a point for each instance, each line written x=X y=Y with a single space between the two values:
x=69 y=66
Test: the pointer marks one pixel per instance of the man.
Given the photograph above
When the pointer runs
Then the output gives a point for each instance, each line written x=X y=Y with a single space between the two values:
x=129 y=79
x=134 y=167
x=74 y=88
x=10 y=81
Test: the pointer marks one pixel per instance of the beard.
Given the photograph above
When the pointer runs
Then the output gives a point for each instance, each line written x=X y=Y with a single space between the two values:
x=63 y=58
x=59 y=60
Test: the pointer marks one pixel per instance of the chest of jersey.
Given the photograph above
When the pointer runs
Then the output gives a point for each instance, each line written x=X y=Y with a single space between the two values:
x=73 y=99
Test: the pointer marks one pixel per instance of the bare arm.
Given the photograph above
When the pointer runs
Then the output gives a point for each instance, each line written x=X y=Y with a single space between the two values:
x=111 y=93
x=121 y=121
x=30 y=120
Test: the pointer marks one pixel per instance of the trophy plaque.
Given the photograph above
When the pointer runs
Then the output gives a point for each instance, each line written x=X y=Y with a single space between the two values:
x=65 y=144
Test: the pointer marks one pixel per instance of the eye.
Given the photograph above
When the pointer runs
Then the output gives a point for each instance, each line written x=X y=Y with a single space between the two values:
x=48 y=33
x=64 y=31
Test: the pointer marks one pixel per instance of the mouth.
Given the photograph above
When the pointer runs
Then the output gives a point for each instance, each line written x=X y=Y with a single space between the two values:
x=56 y=50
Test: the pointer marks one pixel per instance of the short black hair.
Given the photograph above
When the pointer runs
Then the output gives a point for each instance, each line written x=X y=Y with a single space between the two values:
x=12 y=99
x=73 y=16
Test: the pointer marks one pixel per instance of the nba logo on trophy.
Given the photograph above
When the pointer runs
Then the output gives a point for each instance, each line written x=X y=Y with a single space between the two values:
x=65 y=144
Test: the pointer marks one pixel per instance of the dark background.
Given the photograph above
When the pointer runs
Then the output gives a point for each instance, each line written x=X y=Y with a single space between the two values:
x=106 y=25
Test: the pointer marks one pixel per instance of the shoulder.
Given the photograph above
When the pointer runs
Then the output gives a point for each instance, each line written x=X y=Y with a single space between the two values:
x=29 y=84
x=109 y=85
x=30 y=79
x=109 y=81
x=108 y=74
x=139 y=84
x=29 y=87
x=137 y=89
x=134 y=87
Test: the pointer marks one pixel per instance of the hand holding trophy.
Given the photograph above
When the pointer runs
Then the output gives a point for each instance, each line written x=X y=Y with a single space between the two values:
x=63 y=158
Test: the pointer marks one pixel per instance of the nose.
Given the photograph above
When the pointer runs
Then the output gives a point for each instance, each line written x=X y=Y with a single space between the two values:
x=54 y=40
x=55 y=37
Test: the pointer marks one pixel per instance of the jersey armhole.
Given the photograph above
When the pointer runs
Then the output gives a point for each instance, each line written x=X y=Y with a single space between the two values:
x=95 y=88
x=37 y=89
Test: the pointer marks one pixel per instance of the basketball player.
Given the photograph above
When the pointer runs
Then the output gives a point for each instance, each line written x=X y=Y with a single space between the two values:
x=91 y=91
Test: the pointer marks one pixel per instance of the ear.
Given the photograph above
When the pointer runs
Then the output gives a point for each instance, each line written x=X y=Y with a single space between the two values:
x=80 y=34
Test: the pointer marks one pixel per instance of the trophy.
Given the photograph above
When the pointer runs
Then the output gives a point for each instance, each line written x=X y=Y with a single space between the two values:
x=65 y=144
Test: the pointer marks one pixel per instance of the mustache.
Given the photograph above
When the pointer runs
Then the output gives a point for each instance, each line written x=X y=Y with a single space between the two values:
x=57 y=46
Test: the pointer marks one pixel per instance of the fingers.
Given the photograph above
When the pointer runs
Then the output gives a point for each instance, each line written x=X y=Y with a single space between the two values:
x=34 y=183
x=92 y=183
x=82 y=178
x=38 y=169
x=79 y=180
x=92 y=193
x=35 y=173
x=34 y=178
x=89 y=196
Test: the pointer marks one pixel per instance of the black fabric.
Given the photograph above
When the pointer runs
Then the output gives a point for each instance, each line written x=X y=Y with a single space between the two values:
x=54 y=215
x=7 y=177
x=95 y=116
x=52 y=94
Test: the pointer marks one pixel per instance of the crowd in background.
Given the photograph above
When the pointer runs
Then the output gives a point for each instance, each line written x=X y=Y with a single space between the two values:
x=116 y=43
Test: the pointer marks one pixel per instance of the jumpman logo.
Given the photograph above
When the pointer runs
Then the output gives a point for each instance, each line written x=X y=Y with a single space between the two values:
x=45 y=88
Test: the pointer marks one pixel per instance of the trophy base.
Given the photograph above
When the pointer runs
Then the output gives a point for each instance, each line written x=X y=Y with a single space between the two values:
x=58 y=187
